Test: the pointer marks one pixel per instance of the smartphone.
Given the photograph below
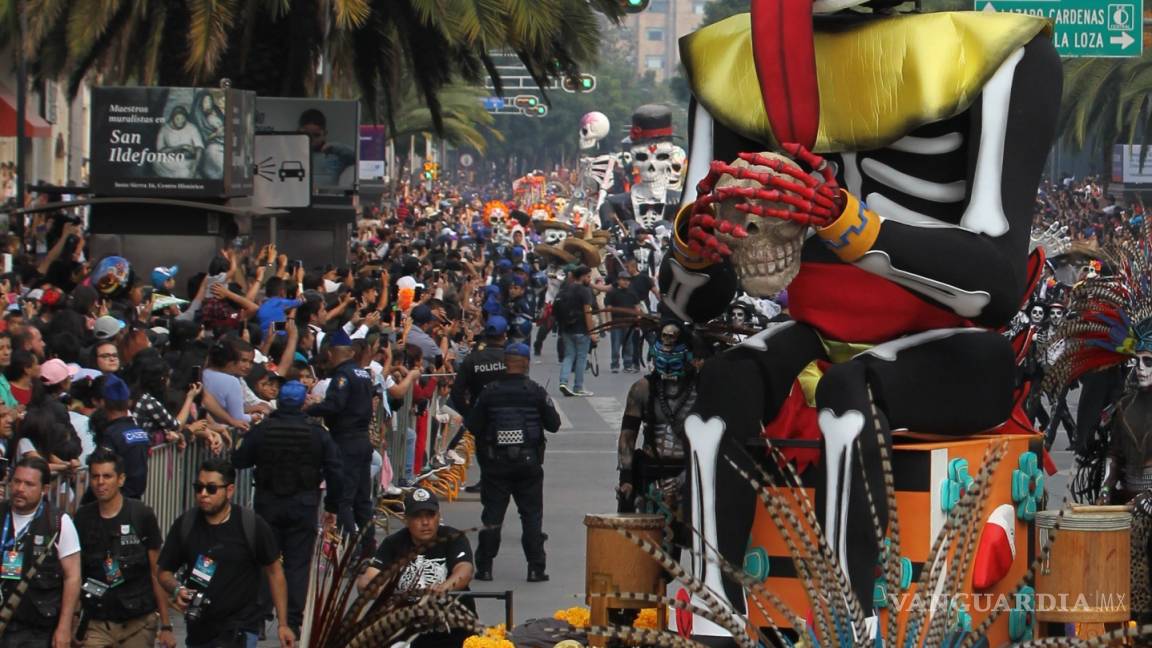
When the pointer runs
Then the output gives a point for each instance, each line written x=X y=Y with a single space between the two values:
x=279 y=326
x=198 y=372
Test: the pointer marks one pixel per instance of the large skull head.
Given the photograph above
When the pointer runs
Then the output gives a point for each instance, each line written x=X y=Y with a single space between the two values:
x=498 y=221
x=679 y=167
x=769 y=258
x=594 y=127
x=1144 y=369
x=653 y=163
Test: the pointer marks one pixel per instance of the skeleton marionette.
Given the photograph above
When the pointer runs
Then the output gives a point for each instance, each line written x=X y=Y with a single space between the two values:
x=597 y=167
x=652 y=199
x=1113 y=328
x=898 y=218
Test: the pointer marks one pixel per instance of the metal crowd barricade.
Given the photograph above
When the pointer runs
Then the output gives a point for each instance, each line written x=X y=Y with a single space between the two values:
x=171 y=472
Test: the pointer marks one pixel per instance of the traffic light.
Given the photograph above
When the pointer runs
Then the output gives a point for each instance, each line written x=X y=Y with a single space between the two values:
x=538 y=111
x=634 y=6
x=526 y=102
x=429 y=170
x=582 y=83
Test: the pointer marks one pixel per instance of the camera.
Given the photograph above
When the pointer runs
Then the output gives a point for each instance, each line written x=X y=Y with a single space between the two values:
x=93 y=589
x=196 y=607
x=279 y=326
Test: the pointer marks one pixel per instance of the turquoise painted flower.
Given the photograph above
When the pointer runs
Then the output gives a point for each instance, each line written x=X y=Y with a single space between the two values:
x=1022 y=617
x=1027 y=486
x=756 y=563
x=956 y=485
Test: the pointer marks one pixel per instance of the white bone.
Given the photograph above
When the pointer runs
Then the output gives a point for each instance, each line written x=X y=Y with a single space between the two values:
x=704 y=440
x=839 y=432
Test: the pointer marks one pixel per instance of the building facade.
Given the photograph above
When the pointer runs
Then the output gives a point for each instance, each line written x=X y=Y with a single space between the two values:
x=654 y=34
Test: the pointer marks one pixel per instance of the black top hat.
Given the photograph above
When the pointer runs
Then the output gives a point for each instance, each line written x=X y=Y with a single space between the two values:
x=651 y=123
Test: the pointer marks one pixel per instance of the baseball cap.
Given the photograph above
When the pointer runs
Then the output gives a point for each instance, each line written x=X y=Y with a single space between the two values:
x=422 y=314
x=518 y=349
x=55 y=371
x=106 y=326
x=115 y=389
x=161 y=274
x=292 y=394
x=420 y=499
x=496 y=326
x=504 y=264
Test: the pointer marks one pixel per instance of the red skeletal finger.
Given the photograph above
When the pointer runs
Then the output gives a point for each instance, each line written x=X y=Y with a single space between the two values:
x=818 y=164
x=775 y=196
x=804 y=218
x=822 y=196
x=780 y=166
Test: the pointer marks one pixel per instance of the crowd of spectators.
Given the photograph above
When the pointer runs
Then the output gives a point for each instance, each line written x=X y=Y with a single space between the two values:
x=1094 y=217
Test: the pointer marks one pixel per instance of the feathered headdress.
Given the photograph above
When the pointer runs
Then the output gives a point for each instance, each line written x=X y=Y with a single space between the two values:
x=1111 y=314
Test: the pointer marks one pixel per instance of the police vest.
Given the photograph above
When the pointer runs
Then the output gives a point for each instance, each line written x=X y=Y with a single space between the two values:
x=99 y=542
x=514 y=415
x=40 y=605
x=287 y=463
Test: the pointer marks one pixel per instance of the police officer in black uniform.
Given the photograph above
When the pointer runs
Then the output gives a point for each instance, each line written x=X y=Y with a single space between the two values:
x=292 y=457
x=347 y=412
x=509 y=419
x=34 y=530
x=120 y=544
x=483 y=365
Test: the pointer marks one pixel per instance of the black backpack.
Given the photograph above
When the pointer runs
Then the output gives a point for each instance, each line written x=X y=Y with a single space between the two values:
x=568 y=308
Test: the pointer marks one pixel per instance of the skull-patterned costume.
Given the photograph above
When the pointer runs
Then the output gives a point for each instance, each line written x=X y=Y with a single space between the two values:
x=653 y=198
x=924 y=248
x=597 y=169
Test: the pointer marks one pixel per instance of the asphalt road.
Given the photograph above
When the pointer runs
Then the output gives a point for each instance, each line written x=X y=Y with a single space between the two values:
x=580 y=477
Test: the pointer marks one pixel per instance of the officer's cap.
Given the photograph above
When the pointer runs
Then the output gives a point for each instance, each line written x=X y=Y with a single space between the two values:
x=496 y=326
x=518 y=349
x=338 y=338
x=292 y=395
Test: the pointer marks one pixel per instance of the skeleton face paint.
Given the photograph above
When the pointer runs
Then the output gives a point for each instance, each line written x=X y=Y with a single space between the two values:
x=1055 y=314
x=769 y=258
x=1144 y=369
x=739 y=317
x=594 y=126
x=1036 y=315
x=669 y=335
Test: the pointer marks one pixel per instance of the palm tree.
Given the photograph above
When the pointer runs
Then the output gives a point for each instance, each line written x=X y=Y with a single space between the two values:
x=277 y=46
x=464 y=119
x=1106 y=102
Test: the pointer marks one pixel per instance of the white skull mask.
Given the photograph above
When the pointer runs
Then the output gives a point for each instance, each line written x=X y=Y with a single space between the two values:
x=768 y=259
x=554 y=237
x=594 y=126
x=1144 y=369
x=1036 y=315
x=653 y=163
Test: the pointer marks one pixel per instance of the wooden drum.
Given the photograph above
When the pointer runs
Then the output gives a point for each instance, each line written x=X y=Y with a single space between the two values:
x=615 y=564
x=1086 y=578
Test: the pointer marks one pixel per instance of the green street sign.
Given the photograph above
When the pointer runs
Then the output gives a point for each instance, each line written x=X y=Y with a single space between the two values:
x=1084 y=28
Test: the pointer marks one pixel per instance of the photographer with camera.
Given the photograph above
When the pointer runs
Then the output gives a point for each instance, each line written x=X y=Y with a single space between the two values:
x=221 y=549
x=120 y=542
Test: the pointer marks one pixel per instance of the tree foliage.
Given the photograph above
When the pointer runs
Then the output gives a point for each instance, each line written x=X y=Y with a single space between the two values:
x=276 y=46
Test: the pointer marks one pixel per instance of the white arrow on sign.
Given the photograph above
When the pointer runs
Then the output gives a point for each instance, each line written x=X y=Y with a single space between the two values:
x=1123 y=40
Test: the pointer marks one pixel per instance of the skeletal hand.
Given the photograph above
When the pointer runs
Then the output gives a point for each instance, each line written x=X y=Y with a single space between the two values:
x=778 y=189
x=1055 y=240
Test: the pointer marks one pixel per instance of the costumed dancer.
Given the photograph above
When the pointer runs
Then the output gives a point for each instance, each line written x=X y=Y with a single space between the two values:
x=920 y=209
x=652 y=477
x=651 y=200
x=1113 y=327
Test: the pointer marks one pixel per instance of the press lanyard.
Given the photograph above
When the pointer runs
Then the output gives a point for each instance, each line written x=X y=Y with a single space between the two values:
x=16 y=538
